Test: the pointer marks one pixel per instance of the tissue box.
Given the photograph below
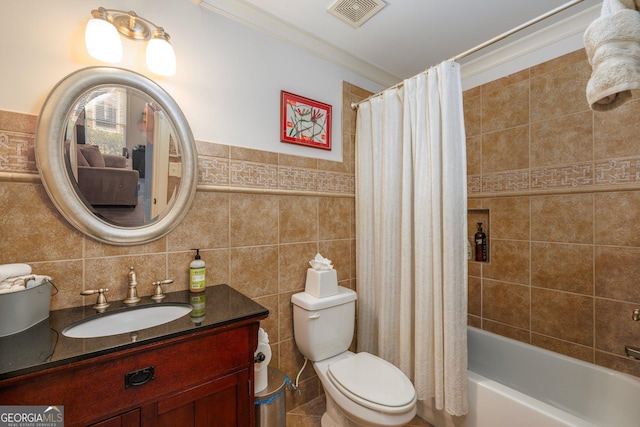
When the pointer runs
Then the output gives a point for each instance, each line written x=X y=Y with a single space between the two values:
x=322 y=283
x=22 y=309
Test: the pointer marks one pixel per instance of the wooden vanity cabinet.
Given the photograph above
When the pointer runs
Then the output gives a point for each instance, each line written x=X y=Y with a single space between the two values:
x=200 y=379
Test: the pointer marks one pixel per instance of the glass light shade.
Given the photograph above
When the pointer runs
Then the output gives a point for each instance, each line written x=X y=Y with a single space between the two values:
x=103 y=41
x=161 y=58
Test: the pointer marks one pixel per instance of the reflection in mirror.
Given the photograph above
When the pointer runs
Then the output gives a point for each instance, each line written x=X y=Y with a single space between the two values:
x=116 y=155
x=121 y=152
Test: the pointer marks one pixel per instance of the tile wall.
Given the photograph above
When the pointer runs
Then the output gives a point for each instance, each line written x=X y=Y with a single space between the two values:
x=258 y=217
x=562 y=187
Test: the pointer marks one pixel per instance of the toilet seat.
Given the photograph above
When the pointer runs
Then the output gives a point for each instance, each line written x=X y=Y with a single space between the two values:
x=373 y=383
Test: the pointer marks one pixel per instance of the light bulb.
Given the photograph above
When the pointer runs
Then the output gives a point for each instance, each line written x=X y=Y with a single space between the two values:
x=102 y=41
x=161 y=58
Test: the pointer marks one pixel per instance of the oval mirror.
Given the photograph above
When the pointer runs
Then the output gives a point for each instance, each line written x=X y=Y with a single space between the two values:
x=116 y=155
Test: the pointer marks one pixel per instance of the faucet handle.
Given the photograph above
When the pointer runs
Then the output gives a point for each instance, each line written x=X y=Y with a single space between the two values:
x=101 y=303
x=159 y=295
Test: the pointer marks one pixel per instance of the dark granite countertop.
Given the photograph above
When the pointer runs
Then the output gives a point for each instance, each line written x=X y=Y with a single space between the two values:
x=43 y=346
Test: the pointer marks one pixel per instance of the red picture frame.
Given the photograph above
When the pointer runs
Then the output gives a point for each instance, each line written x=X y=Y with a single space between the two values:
x=304 y=121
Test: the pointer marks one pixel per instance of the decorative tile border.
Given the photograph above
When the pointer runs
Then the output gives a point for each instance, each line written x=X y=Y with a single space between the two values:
x=241 y=174
x=335 y=182
x=250 y=174
x=603 y=175
x=618 y=171
x=474 y=184
x=213 y=170
x=507 y=181
x=291 y=178
x=570 y=176
x=17 y=152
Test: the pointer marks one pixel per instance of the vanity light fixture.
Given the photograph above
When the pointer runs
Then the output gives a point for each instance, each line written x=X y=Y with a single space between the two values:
x=104 y=44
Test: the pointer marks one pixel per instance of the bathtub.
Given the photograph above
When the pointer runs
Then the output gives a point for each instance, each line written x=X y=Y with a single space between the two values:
x=512 y=384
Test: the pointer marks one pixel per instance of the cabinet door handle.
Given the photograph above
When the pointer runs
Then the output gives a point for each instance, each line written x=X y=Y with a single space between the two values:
x=139 y=377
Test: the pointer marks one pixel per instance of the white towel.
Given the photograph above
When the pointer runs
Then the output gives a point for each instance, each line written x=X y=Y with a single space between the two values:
x=610 y=7
x=20 y=283
x=13 y=270
x=612 y=43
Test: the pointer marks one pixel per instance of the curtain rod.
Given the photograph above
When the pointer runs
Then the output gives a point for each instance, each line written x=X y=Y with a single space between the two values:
x=354 y=105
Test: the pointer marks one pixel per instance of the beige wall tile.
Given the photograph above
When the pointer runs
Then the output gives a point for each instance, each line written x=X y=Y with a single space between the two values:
x=285 y=321
x=617 y=218
x=622 y=364
x=508 y=261
x=563 y=347
x=505 y=150
x=473 y=115
x=584 y=234
x=293 y=264
x=334 y=218
x=297 y=161
x=241 y=153
x=32 y=230
x=298 y=219
x=474 y=155
x=270 y=324
x=614 y=327
x=505 y=107
x=562 y=267
x=68 y=279
x=559 y=92
x=253 y=270
x=474 y=292
x=510 y=218
x=563 y=140
x=569 y=59
x=339 y=252
x=18 y=122
x=212 y=149
x=253 y=219
x=506 y=303
x=617 y=270
x=94 y=248
x=112 y=273
x=206 y=226
x=564 y=218
x=616 y=131
x=562 y=315
x=518 y=334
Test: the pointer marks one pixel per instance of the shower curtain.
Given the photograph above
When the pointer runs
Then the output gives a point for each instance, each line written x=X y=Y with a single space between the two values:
x=411 y=233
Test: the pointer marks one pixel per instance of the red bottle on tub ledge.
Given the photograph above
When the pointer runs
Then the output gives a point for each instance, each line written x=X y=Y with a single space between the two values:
x=481 y=244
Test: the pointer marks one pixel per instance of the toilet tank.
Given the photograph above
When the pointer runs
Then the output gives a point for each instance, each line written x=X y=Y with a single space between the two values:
x=323 y=327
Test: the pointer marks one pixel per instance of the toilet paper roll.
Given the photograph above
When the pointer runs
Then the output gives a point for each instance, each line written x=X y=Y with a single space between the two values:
x=261 y=378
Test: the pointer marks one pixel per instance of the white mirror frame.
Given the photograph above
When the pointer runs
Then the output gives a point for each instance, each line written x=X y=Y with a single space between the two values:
x=51 y=163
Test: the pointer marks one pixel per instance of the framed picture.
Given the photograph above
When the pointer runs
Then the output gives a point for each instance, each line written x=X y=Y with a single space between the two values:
x=305 y=121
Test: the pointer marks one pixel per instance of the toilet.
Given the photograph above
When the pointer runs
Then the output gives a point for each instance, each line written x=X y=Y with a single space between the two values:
x=361 y=389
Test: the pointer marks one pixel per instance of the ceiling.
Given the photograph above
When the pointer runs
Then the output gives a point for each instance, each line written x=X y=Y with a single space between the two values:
x=406 y=36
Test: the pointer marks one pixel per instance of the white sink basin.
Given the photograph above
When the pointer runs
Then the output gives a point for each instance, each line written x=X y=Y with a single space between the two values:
x=128 y=320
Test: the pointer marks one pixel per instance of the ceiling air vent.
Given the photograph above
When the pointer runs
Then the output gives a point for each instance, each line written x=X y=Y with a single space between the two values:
x=355 y=12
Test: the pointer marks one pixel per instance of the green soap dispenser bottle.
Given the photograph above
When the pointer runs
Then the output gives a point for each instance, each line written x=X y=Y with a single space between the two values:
x=197 y=273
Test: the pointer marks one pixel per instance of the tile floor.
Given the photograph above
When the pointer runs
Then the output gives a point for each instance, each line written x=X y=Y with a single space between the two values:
x=309 y=414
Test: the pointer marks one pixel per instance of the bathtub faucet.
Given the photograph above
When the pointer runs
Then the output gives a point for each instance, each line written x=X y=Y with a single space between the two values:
x=632 y=352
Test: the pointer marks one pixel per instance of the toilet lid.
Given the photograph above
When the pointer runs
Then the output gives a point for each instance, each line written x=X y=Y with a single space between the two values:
x=372 y=381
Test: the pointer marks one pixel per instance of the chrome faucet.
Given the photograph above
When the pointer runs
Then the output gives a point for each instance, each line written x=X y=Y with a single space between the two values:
x=132 y=293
